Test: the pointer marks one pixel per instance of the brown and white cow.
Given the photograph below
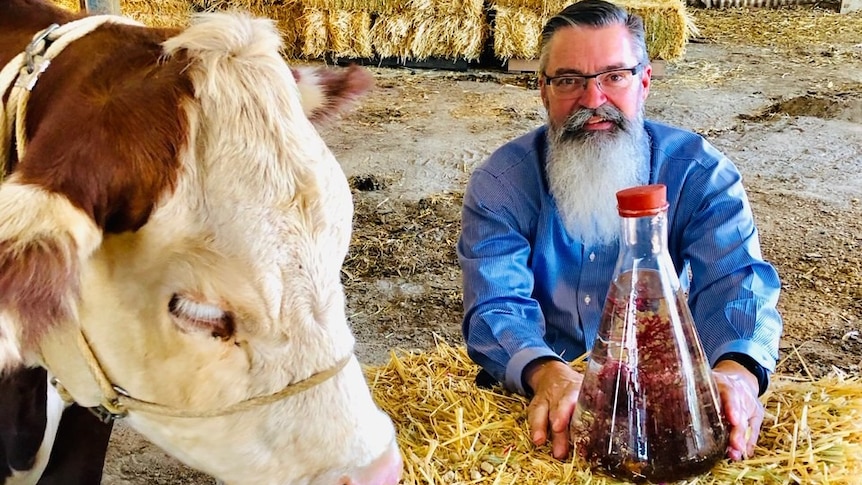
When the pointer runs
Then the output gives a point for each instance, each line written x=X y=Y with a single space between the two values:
x=172 y=228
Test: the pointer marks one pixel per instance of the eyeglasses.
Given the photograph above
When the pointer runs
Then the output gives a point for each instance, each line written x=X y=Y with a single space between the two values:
x=567 y=86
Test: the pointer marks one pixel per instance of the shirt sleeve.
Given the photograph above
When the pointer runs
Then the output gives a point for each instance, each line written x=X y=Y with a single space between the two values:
x=503 y=325
x=734 y=292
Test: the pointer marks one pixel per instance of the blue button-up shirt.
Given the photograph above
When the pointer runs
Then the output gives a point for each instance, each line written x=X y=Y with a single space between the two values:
x=531 y=291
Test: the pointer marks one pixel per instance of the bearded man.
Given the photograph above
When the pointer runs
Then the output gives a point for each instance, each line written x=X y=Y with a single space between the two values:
x=540 y=233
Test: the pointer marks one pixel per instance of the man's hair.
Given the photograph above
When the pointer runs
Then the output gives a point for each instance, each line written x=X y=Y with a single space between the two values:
x=594 y=13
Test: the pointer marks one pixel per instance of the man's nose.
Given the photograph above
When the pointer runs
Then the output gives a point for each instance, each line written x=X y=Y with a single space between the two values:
x=593 y=96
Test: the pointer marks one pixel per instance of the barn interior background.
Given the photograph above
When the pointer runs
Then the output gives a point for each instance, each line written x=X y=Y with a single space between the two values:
x=453 y=433
x=481 y=32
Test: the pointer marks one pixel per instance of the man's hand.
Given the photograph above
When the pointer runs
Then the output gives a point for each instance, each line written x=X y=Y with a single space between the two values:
x=556 y=387
x=737 y=389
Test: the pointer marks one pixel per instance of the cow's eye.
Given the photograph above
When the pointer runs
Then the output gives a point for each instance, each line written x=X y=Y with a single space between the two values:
x=193 y=315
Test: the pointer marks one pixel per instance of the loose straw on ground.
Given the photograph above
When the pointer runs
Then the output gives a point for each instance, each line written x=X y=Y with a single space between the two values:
x=451 y=432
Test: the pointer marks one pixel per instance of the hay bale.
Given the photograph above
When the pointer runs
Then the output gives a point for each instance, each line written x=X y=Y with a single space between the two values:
x=432 y=7
x=161 y=13
x=452 y=432
x=349 y=33
x=73 y=5
x=371 y=6
x=517 y=32
x=286 y=15
x=446 y=37
x=158 y=13
x=315 y=36
x=170 y=13
x=747 y=3
x=519 y=23
x=391 y=36
x=446 y=30
x=445 y=8
x=412 y=29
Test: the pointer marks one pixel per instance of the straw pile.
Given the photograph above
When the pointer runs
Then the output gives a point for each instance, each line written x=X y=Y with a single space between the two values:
x=518 y=24
x=451 y=432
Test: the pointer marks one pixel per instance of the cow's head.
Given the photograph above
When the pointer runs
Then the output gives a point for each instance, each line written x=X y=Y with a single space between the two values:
x=176 y=213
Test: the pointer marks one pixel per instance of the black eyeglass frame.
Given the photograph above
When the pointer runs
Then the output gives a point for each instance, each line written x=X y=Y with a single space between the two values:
x=636 y=69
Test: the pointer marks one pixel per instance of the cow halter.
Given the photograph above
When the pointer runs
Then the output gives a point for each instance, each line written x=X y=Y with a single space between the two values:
x=117 y=402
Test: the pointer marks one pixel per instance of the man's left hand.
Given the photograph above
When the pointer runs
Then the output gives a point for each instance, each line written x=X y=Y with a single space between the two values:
x=737 y=389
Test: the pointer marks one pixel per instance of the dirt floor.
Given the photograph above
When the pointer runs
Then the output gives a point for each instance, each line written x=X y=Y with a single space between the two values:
x=779 y=91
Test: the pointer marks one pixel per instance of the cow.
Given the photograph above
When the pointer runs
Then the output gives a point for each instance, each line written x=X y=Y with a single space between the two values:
x=172 y=229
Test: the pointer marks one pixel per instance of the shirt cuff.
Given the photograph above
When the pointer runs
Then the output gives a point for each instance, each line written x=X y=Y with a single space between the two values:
x=750 y=355
x=749 y=363
x=519 y=361
x=749 y=348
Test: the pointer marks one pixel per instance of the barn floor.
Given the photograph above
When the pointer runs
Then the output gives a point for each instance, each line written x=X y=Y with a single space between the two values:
x=788 y=113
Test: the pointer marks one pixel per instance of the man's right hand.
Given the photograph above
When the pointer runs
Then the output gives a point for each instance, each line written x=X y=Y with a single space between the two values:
x=555 y=386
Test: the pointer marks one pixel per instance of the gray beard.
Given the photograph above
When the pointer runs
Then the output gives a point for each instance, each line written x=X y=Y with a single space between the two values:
x=586 y=169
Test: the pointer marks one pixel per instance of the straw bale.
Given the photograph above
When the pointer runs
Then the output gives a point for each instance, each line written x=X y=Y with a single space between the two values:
x=668 y=25
x=161 y=13
x=748 y=3
x=169 y=13
x=544 y=8
x=349 y=33
x=451 y=432
x=517 y=32
x=371 y=6
x=287 y=16
x=460 y=37
x=158 y=13
x=314 y=34
x=73 y=5
x=392 y=35
x=432 y=7
x=471 y=8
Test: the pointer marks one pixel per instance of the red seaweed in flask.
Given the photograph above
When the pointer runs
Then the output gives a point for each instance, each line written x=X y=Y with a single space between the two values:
x=648 y=410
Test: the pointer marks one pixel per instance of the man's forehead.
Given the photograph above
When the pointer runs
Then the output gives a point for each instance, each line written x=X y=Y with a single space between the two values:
x=587 y=49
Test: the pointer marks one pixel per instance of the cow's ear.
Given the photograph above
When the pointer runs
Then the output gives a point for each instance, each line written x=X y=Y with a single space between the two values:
x=326 y=92
x=44 y=240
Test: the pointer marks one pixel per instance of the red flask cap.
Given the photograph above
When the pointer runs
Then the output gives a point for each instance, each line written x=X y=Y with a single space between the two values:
x=643 y=200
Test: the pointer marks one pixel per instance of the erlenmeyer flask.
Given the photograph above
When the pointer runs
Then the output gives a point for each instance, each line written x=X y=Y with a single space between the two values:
x=648 y=409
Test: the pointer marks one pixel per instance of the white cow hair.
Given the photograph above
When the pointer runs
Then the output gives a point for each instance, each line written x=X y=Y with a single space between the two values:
x=32 y=215
x=313 y=98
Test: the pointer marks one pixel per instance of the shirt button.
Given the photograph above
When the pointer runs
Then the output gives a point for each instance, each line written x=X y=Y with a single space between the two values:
x=587 y=299
x=592 y=257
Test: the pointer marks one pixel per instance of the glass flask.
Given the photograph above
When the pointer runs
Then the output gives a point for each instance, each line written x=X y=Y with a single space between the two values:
x=648 y=409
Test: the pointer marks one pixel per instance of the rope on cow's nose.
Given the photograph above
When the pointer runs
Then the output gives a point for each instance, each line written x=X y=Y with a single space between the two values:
x=118 y=402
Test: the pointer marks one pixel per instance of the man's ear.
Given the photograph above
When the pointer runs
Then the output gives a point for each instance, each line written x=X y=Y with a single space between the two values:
x=44 y=241
x=646 y=80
